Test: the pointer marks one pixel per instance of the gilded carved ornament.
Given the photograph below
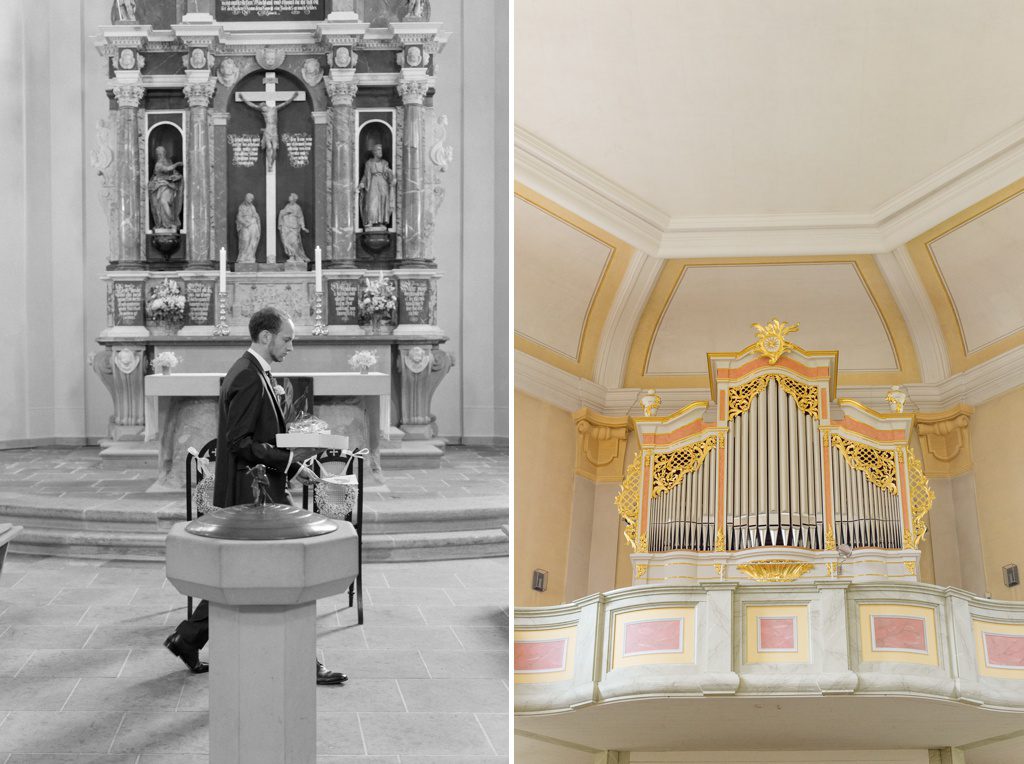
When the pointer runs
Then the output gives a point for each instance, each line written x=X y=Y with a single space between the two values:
x=627 y=502
x=877 y=465
x=771 y=339
x=742 y=396
x=921 y=499
x=775 y=570
x=670 y=468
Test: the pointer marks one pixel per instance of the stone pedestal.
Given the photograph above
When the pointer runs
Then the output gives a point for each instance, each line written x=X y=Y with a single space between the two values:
x=262 y=598
x=421 y=368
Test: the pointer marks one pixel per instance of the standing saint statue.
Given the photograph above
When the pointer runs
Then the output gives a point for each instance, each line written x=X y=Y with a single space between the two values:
x=165 y=192
x=377 y=190
x=269 y=110
x=247 y=223
x=292 y=224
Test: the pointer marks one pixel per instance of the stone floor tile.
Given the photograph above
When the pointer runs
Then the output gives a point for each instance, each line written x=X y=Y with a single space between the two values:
x=173 y=758
x=377 y=595
x=423 y=734
x=75 y=663
x=338 y=733
x=482 y=695
x=482 y=637
x=386 y=615
x=94 y=595
x=411 y=579
x=162 y=732
x=140 y=577
x=13 y=659
x=69 y=758
x=79 y=732
x=496 y=728
x=153 y=660
x=127 y=635
x=358 y=760
x=375 y=663
x=410 y=637
x=17 y=693
x=158 y=694
x=495 y=597
x=131 y=615
x=466 y=663
x=195 y=692
x=360 y=694
x=56 y=637
x=56 y=577
x=453 y=759
x=341 y=638
x=466 y=615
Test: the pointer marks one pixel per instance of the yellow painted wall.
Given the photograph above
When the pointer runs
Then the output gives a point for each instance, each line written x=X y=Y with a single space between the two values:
x=545 y=462
x=999 y=482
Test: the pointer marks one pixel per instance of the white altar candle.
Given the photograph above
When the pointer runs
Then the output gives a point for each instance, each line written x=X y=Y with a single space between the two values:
x=319 y=270
x=223 y=270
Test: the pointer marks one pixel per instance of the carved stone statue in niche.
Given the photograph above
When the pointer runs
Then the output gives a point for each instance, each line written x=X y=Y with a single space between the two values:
x=126 y=10
x=165 y=193
x=377 y=189
x=247 y=223
x=292 y=224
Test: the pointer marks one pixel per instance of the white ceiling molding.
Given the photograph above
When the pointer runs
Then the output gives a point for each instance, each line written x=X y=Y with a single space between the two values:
x=981 y=172
x=620 y=324
x=593 y=197
x=922 y=321
x=974 y=387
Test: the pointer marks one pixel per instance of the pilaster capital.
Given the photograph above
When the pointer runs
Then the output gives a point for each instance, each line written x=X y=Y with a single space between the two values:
x=413 y=91
x=129 y=96
x=199 y=93
x=341 y=93
x=601 y=445
x=946 y=441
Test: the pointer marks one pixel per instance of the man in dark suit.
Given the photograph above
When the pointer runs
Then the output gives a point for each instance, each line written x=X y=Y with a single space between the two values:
x=249 y=417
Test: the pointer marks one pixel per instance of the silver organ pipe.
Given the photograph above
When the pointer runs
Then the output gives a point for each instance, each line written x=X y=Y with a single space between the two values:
x=774 y=490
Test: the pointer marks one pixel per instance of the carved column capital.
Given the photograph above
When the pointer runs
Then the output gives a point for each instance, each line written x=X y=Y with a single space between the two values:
x=129 y=96
x=601 y=445
x=946 y=441
x=199 y=93
x=342 y=93
x=413 y=91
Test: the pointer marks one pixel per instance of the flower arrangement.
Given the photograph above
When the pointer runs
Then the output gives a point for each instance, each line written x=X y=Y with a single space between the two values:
x=165 y=361
x=363 y=360
x=378 y=299
x=166 y=302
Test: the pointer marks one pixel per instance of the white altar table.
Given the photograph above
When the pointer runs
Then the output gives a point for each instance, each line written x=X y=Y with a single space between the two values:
x=373 y=390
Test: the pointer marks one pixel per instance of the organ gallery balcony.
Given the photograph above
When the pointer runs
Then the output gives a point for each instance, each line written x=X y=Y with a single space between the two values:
x=775 y=600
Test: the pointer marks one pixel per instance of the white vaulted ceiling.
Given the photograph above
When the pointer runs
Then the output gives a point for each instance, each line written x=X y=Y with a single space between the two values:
x=685 y=168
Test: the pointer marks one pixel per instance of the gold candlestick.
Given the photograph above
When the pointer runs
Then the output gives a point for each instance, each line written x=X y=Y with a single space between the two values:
x=318 y=315
x=221 y=329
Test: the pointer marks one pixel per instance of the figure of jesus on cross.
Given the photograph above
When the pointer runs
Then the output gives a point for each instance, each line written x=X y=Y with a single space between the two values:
x=268 y=102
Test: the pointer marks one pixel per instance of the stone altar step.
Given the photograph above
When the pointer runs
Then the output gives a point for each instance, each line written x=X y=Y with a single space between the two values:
x=129 y=454
x=136 y=529
x=411 y=455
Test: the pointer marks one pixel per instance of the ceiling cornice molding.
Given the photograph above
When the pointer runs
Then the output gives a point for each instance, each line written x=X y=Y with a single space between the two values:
x=922 y=322
x=973 y=387
x=977 y=174
x=640 y=278
x=593 y=197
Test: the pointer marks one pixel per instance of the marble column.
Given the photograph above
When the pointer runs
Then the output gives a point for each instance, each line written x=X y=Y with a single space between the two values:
x=343 y=200
x=414 y=173
x=421 y=369
x=129 y=252
x=197 y=196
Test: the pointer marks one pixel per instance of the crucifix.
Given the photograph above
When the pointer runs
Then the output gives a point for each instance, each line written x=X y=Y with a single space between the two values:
x=268 y=101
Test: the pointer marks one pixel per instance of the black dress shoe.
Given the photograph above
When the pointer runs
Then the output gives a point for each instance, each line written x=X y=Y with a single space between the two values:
x=325 y=676
x=188 y=654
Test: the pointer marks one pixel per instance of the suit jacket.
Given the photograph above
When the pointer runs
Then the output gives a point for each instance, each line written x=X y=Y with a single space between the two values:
x=249 y=416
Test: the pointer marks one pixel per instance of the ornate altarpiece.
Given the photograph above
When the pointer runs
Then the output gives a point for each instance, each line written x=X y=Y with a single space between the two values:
x=268 y=130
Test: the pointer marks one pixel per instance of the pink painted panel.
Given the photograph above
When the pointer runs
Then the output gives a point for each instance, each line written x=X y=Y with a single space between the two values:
x=657 y=636
x=1004 y=650
x=897 y=632
x=776 y=633
x=540 y=655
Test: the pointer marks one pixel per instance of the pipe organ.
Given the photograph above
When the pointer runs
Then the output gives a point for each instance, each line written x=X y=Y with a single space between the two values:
x=774 y=477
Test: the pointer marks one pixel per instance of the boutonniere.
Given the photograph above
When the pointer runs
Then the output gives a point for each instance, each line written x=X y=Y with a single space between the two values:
x=279 y=391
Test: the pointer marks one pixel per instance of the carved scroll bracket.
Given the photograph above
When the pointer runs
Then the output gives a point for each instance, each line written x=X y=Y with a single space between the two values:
x=946 y=441
x=601 y=445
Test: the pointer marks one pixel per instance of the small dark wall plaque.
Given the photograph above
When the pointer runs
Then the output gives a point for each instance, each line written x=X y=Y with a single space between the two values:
x=342 y=307
x=271 y=10
x=124 y=303
x=201 y=303
x=416 y=301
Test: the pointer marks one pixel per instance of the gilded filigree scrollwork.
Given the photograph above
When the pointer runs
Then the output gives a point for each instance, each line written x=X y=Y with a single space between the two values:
x=628 y=502
x=775 y=570
x=921 y=498
x=877 y=465
x=771 y=339
x=670 y=469
x=741 y=396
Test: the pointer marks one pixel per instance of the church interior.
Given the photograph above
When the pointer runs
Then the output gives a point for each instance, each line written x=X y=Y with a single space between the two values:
x=692 y=181
x=174 y=166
